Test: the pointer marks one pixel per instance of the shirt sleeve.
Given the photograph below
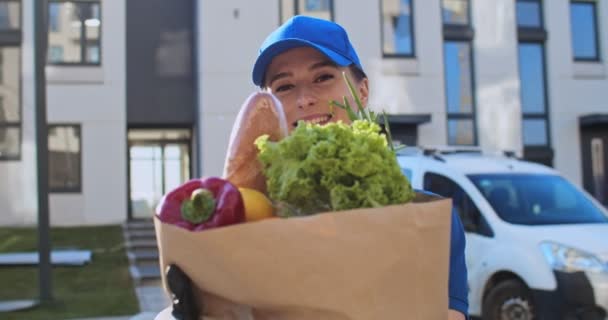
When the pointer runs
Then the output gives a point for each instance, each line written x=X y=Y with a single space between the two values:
x=458 y=288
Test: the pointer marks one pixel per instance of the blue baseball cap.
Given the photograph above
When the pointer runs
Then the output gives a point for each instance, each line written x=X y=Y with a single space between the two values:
x=303 y=31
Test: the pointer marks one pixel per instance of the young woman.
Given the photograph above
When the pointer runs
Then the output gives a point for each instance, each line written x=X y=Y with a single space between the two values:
x=301 y=64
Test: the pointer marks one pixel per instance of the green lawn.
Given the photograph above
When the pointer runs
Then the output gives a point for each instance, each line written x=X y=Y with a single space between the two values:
x=101 y=288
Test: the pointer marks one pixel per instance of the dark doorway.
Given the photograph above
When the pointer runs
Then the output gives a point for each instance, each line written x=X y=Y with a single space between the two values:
x=594 y=147
x=404 y=127
x=161 y=66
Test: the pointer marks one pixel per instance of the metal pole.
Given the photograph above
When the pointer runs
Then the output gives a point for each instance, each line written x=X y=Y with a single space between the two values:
x=44 y=239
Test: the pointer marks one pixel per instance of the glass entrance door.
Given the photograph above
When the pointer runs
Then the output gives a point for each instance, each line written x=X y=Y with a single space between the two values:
x=594 y=147
x=155 y=168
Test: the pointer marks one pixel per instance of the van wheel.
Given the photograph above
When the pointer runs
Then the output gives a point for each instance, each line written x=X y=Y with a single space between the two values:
x=509 y=300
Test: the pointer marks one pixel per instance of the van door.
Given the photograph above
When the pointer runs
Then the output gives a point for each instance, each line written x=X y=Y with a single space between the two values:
x=479 y=235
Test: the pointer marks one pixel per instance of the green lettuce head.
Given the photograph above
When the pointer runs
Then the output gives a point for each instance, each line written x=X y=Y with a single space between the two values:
x=332 y=167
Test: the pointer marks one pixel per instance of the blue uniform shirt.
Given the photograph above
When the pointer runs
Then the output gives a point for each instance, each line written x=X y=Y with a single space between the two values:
x=458 y=289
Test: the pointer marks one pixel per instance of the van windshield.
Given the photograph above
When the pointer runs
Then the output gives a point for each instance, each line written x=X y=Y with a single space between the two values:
x=532 y=199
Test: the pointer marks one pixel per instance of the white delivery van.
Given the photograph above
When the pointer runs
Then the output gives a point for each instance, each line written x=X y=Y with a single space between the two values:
x=537 y=245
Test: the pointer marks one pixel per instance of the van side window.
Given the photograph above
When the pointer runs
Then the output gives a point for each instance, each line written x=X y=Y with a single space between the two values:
x=407 y=173
x=439 y=184
x=463 y=204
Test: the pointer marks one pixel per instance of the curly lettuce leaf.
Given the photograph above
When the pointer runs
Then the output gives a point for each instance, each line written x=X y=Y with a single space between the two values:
x=333 y=167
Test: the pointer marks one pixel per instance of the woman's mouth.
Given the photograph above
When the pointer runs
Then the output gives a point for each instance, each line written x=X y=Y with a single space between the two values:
x=320 y=119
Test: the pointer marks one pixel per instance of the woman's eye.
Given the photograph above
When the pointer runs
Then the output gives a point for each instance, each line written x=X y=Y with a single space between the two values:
x=283 y=87
x=324 y=77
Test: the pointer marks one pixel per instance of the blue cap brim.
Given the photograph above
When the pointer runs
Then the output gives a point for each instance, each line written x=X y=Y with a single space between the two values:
x=265 y=57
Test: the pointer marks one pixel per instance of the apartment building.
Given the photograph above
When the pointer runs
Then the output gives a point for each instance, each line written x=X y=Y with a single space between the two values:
x=142 y=94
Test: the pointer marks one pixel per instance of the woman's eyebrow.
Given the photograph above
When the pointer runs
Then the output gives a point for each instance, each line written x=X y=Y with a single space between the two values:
x=324 y=63
x=318 y=65
x=279 y=76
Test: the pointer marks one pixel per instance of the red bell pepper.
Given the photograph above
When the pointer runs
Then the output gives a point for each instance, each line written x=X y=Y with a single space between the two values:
x=201 y=204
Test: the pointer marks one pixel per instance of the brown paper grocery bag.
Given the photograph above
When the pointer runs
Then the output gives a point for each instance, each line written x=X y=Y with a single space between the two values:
x=381 y=263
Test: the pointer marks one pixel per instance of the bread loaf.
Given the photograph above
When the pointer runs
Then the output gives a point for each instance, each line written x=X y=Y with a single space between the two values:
x=261 y=114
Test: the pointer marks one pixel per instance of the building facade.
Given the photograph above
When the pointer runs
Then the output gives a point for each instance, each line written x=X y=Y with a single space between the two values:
x=142 y=94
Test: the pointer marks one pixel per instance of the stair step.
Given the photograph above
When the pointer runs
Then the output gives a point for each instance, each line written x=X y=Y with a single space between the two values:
x=158 y=282
x=141 y=244
x=140 y=225
x=149 y=271
x=143 y=273
x=143 y=255
x=141 y=234
x=146 y=263
x=137 y=250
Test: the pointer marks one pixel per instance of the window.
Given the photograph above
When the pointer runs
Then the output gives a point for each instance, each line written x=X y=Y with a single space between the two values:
x=463 y=204
x=459 y=93
x=455 y=12
x=397 y=28
x=584 y=30
x=461 y=132
x=533 y=94
x=459 y=82
x=439 y=184
x=532 y=77
x=54 y=11
x=10 y=142
x=65 y=158
x=535 y=132
x=458 y=77
x=10 y=103
x=535 y=199
x=159 y=161
x=75 y=32
x=10 y=80
x=323 y=9
x=55 y=54
x=529 y=13
x=10 y=15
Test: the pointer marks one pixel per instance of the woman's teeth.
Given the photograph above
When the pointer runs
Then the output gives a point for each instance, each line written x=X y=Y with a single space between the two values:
x=319 y=120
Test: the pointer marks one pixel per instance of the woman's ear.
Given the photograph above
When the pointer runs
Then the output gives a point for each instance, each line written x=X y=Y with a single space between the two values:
x=363 y=87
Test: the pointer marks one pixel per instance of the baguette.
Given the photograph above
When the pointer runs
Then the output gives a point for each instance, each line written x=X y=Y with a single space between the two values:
x=261 y=114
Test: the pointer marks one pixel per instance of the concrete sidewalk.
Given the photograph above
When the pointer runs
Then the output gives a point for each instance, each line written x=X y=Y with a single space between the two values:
x=152 y=298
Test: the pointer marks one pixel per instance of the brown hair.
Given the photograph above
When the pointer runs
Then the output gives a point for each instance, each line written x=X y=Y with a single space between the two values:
x=357 y=73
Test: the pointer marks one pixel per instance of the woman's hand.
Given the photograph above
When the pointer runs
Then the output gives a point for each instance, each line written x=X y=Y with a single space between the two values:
x=182 y=296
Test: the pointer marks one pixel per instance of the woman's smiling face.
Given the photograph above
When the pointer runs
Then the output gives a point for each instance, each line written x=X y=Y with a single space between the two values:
x=306 y=81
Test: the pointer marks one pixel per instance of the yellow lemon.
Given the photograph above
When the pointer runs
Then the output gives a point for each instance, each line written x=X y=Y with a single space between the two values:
x=257 y=205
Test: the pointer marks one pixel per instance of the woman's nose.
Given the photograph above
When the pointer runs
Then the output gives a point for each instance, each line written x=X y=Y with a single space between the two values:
x=305 y=98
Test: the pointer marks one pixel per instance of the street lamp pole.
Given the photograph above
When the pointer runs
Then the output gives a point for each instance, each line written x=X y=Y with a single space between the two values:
x=44 y=239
